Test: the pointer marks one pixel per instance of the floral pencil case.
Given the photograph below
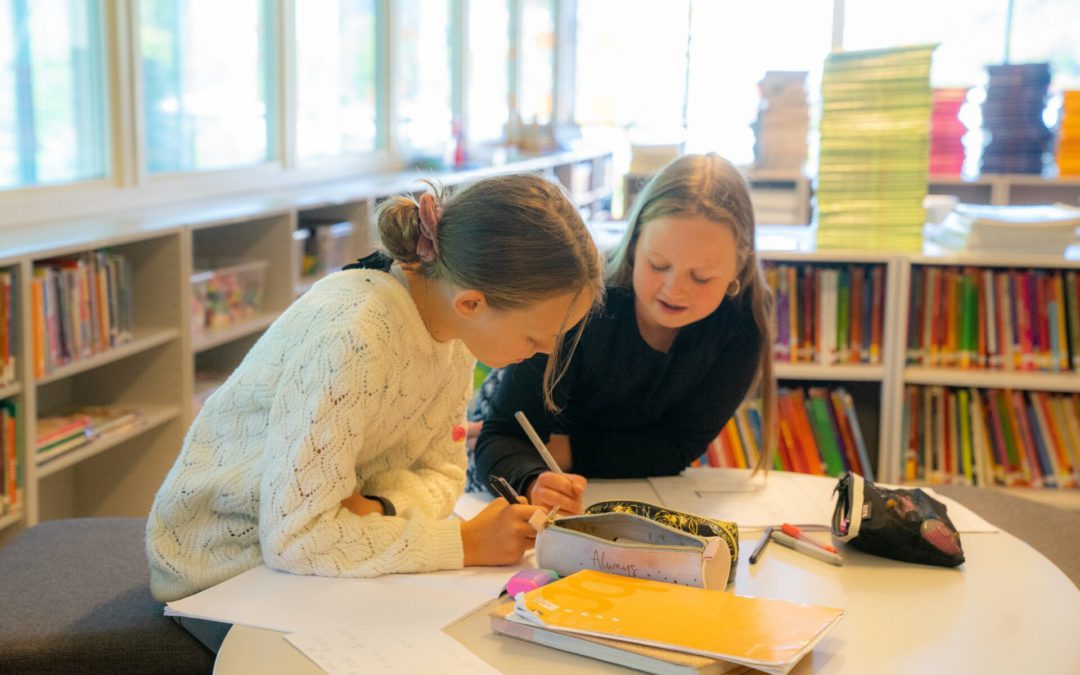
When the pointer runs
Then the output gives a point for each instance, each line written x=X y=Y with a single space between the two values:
x=641 y=540
x=901 y=524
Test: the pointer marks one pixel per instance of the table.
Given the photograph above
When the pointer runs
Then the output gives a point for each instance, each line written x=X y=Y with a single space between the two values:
x=1007 y=609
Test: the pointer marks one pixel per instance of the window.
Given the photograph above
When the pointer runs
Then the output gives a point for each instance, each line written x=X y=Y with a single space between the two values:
x=52 y=108
x=208 y=84
x=425 y=112
x=537 y=84
x=336 y=45
x=1046 y=30
x=627 y=52
x=727 y=62
x=489 y=70
x=970 y=33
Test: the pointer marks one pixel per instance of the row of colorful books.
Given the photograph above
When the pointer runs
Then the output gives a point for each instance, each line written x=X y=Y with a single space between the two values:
x=11 y=482
x=81 y=306
x=1011 y=319
x=819 y=434
x=74 y=427
x=988 y=437
x=827 y=314
x=7 y=329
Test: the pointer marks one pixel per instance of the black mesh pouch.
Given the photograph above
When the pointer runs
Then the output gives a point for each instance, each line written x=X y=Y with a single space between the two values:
x=901 y=524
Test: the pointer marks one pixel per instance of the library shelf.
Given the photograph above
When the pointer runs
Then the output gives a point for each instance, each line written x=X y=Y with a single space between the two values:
x=992 y=379
x=118 y=474
x=136 y=346
x=839 y=372
x=151 y=419
x=220 y=336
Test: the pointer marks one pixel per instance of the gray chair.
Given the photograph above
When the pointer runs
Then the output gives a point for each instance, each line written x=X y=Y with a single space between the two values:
x=75 y=598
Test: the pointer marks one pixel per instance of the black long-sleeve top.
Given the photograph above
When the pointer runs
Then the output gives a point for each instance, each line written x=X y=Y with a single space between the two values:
x=629 y=410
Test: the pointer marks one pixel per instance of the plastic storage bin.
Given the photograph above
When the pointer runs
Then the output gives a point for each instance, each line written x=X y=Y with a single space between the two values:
x=224 y=294
x=324 y=247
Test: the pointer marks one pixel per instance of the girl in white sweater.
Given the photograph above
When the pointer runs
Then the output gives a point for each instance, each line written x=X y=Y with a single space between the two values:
x=337 y=446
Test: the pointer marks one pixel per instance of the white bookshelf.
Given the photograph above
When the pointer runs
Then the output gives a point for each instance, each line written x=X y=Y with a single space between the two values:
x=118 y=474
x=1004 y=189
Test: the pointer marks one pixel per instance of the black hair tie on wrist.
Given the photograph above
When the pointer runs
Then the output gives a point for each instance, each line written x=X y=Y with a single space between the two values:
x=387 y=505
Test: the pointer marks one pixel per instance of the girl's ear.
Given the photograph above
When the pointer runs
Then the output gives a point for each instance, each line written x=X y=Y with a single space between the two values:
x=470 y=302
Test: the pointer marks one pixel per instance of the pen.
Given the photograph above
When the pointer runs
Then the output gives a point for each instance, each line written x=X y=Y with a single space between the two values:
x=760 y=548
x=809 y=549
x=537 y=443
x=503 y=489
x=796 y=533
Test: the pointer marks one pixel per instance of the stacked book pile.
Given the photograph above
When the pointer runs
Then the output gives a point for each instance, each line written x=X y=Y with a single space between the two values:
x=783 y=119
x=1036 y=228
x=988 y=437
x=875 y=149
x=64 y=431
x=1068 y=150
x=1017 y=136
x=947 y=132
x=819 y=434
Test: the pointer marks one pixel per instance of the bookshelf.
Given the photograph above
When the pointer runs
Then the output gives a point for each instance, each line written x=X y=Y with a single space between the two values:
x=180 y=350
x=1005 y=189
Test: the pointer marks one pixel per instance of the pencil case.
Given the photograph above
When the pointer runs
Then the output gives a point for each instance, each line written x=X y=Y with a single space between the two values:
x=641 y=540
x=902 y=524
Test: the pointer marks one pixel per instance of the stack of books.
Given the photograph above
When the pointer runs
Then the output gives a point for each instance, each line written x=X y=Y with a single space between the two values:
x=783 y=119
x=947 y=132
x=74 y=427
x=875 y=149
x=1017 y=136
x=1037 y=228
x=1068 y=149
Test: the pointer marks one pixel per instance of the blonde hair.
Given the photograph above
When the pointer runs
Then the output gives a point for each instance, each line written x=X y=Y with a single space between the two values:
x=710 y=186
x=517 y=238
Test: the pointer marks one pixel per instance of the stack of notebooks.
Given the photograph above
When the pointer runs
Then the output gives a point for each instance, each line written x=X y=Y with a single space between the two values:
x=1036 y=228
x=875 y=149
x=659 y=627
x=947 y=132
x=783 y=119
x=67 y=430
x=1068 y=149
x=1012 y=116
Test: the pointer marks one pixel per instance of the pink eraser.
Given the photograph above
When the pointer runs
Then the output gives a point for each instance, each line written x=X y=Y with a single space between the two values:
x=526 y=580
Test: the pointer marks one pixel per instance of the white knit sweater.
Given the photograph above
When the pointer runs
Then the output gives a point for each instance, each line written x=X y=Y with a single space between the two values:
x=345 y=391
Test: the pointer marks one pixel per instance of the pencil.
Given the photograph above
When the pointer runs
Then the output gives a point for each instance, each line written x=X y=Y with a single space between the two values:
x=807 y=548
x=537 y=443
x=760 y=548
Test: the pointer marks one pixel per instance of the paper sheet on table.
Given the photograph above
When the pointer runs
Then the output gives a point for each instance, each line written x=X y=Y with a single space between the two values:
x=372 y=650
x=470 y=504
x=266 y=598
x=780 y=497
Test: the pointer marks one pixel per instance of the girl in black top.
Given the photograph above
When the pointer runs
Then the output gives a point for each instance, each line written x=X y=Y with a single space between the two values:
x=681 y=339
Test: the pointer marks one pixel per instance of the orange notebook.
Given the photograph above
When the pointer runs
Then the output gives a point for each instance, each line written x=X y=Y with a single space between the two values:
x=770 y=635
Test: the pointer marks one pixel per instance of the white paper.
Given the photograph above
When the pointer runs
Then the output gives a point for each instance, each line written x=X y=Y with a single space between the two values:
x=376 y=650
x=290 y=603
x=470 y=504
x=780 y=497
x=601 y=490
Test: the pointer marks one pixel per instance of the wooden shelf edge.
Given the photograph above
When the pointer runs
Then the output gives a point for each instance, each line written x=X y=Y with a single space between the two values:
x=9 y=519
x=9 y=390
x=994 y=379
x=152 y=418
x=136 y=346
x=217 y=338
x=836 y=372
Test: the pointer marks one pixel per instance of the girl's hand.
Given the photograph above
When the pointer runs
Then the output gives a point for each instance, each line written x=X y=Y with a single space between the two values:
x=498 y=535
x=362 y=506
x=565 y=490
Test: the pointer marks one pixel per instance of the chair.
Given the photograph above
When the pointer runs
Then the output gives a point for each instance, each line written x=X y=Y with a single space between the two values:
x=75 y=598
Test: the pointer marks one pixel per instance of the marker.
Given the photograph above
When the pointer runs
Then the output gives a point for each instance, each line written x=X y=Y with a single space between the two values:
x=794 y=532
x=537 y=443
x=760 y=548
x=504 y=489
x=809 y=549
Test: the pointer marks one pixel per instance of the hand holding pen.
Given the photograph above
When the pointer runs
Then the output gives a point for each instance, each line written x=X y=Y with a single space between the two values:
x=553 y=488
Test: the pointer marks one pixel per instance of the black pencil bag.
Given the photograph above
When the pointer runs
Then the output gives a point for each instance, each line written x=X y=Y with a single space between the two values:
x=901 y=524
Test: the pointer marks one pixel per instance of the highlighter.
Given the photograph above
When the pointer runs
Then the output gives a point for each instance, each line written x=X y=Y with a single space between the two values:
x=527 y=580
